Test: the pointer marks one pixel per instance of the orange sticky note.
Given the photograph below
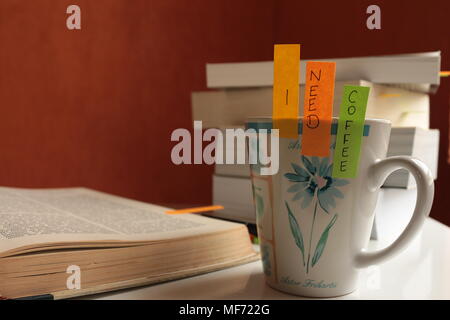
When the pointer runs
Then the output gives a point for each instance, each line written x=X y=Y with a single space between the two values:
x=286 y=72
x=318 y=108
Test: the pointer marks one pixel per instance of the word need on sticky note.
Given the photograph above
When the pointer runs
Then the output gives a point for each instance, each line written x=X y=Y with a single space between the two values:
x=286 y=72
x=318 y=108
x=350 y=130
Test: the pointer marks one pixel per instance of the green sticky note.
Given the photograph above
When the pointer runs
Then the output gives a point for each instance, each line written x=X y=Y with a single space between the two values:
x=350 y=131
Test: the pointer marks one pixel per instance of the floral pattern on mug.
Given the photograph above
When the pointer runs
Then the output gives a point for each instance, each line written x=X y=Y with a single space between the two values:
x=313 y=183
x=315 y=178
x=259 y=201
x=265 y=258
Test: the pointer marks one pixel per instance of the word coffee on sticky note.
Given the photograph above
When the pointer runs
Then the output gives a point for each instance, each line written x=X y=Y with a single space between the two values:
x=318 y=108
x=286 y=73
x=350 y=131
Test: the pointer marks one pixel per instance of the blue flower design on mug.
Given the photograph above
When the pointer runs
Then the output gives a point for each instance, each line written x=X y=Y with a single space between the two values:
x=313 y=182
x=265 y=257
x=315 y=178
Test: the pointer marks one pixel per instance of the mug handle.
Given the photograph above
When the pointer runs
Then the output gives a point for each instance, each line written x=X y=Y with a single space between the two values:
x=378 y=173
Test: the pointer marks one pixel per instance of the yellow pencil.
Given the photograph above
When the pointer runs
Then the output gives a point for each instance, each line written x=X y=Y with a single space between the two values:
x=195 y=210
x=390 y=95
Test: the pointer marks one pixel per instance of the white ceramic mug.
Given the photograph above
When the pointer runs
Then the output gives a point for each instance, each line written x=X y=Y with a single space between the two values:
x=313 y=228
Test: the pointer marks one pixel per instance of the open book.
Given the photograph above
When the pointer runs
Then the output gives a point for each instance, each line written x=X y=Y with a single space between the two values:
x=116 y=243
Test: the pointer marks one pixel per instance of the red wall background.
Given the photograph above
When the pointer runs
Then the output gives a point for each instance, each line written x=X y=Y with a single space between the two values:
x=96 y=107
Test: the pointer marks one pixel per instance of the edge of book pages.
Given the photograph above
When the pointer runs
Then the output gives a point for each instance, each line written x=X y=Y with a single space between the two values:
x=140 y=282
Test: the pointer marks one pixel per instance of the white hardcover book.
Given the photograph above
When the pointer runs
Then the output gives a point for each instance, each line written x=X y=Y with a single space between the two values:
x=232 y=107
x=418 y=70
x=235 y=194
x=415 y=142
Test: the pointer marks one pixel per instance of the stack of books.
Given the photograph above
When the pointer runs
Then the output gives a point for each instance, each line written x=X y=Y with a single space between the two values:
x=400 y=87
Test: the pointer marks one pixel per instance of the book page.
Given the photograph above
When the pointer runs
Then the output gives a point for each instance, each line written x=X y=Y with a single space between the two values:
x=76 y=217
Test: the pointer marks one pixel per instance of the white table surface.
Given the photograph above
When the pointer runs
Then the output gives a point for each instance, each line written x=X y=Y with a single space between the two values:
x=420 y=272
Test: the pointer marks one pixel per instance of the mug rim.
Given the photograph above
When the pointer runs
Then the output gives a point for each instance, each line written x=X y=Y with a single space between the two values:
x=269 y=120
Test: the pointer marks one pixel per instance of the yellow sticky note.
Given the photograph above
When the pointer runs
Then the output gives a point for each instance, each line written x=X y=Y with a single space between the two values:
x=318 y=108
x=286 y=72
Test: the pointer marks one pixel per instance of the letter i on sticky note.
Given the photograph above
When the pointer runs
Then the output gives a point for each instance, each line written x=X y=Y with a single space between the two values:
x=286 y=72
x=318 y=108
x=350 y=131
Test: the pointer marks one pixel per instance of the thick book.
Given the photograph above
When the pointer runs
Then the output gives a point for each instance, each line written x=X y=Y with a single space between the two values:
x=116 y=243
x=417 y=71
x=235 y=195
x=232 y=107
